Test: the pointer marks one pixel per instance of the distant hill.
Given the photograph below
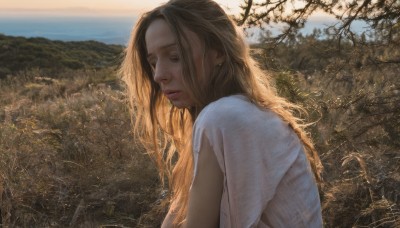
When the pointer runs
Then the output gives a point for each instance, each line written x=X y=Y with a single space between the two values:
x=19 y=53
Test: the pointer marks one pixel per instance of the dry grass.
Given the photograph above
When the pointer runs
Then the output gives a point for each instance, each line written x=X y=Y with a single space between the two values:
x=68 y=158
x=357 y=136
x=67 y=155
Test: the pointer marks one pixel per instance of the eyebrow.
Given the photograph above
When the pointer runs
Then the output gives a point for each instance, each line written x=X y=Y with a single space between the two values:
x=163 y=47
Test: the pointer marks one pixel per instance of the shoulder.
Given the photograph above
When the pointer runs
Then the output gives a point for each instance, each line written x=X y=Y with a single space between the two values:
x=225 y=109
x=237 y=112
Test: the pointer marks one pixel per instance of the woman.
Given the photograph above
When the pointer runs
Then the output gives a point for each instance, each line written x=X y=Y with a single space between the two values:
x=234 y=154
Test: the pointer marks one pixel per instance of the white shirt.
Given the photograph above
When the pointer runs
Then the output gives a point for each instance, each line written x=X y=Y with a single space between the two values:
x=267 y=178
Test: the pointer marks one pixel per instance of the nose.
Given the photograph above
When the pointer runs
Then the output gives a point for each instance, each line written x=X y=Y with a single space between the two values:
x=160 y=73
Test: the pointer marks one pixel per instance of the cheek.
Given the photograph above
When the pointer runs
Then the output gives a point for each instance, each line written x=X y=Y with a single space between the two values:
x=179 y=76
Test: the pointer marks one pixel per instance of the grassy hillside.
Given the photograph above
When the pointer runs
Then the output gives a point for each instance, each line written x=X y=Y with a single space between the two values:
x=19 y=53
x=68 y=157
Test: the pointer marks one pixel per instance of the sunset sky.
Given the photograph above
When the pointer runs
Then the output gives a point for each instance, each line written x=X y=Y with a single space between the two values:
x=108 y=21
x=102 y=7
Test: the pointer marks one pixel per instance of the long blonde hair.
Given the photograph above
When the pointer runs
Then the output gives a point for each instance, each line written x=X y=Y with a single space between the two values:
x=166 y=131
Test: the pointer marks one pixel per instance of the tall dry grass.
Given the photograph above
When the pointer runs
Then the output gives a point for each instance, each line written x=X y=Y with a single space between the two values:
x=357 y=130
x=67 y=155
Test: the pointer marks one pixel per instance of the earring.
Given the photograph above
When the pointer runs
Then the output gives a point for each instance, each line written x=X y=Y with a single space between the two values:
x=219 y=64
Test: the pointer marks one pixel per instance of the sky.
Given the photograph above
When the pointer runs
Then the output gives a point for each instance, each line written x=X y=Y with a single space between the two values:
x=128 y=10
x=87 y=7
x=123 y=8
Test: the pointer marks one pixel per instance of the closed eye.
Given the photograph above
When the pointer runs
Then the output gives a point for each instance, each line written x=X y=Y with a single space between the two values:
x=174 y=58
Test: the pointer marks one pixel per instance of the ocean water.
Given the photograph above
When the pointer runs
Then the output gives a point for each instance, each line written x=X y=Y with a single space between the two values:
x=110 y=30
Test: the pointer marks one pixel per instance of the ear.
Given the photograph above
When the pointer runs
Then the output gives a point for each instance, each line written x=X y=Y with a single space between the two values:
x=216 y=57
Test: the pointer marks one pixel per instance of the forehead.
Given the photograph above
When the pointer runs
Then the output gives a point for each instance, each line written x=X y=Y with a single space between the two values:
x=158 y=35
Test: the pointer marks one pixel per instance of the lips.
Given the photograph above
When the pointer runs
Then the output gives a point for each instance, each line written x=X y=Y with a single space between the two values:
x=172 y=94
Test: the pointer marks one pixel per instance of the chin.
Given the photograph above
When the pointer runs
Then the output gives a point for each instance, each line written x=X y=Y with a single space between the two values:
x=180 y=104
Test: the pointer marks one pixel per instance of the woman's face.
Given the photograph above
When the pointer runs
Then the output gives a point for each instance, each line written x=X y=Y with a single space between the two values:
x=167 y=67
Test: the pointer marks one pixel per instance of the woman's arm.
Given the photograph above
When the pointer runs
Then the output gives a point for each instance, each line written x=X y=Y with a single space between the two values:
x=206 y=191
x=169 y=219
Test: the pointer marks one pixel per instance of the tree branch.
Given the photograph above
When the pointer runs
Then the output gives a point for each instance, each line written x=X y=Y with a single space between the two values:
x=247 y=11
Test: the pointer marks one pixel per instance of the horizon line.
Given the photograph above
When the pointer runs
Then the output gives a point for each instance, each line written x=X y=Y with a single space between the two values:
x=65 y=11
